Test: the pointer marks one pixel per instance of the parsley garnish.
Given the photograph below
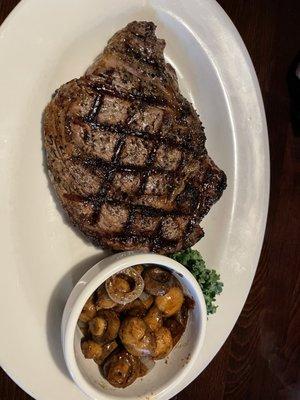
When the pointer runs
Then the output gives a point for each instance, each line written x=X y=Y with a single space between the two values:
x=208 y=279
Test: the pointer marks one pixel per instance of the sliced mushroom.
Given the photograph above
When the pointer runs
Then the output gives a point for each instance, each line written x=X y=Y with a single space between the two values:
x=107 y=349
x=103 y=301
x=157 y=281
x=105 y=327
x=121 y=369
x=91 y=349
x=125 y=287
x=88 y=312
x=154 y=318
x=164 y=343
x=171 y=302
x=136 y=337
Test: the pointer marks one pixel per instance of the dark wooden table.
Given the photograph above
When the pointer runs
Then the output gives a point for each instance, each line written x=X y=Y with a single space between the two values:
x=261 y=358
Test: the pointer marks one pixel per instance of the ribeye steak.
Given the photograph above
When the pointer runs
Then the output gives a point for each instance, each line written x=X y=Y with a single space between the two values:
x=126 y=151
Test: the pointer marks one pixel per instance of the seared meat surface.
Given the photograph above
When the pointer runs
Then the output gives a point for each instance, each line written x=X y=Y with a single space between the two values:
x=126 y=151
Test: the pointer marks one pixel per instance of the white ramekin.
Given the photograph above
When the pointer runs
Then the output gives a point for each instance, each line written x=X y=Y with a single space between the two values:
x=162 y=381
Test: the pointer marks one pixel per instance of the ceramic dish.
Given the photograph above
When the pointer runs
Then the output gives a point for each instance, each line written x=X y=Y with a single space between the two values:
x=46 y=43
x=164 y=378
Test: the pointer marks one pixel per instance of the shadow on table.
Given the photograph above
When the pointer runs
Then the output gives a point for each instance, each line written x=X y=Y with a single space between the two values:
x=56 y=306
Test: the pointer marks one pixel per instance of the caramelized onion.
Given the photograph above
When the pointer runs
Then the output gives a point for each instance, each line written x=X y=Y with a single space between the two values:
x=146 y=299
x=147 y=364
x=121 y=293
x=103 y=300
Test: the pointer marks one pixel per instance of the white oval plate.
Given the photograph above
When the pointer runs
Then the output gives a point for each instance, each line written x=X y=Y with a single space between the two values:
x=46 y=43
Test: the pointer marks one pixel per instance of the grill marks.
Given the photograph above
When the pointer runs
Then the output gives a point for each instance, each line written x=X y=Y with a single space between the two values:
x=111 y=168
x=94 y=111
x=139 y=101
x=133 y=96
x=145 y=59
x=148 y=170
x=123 y=130
x=144 y=144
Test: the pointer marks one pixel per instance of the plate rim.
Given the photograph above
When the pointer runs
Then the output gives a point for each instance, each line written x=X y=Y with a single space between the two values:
x=10 y=18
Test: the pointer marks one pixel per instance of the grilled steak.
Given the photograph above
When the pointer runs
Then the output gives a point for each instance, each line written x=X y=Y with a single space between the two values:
x=126 y=151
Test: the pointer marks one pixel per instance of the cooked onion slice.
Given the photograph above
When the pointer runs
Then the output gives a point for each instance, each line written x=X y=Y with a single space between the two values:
x=125 y=287
x=147 y=364
x=146 y=299
x=103 y=301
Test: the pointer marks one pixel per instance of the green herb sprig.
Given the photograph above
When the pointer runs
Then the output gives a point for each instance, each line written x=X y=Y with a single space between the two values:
x=208 y=279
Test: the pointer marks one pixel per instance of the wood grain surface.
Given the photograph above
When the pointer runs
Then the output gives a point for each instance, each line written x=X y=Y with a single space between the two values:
x=261 y=358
